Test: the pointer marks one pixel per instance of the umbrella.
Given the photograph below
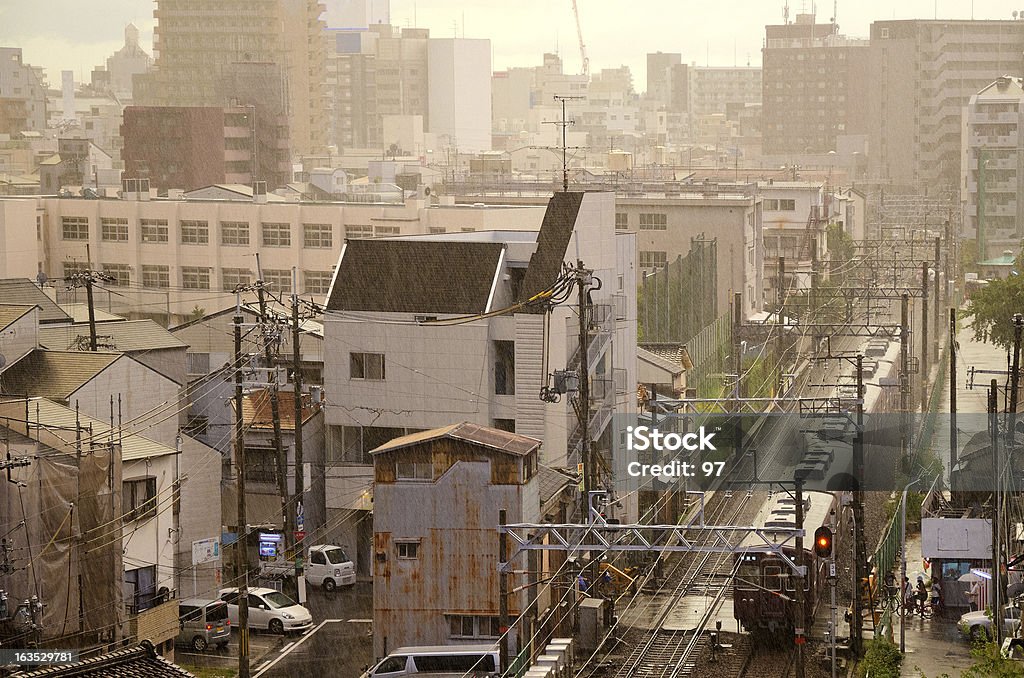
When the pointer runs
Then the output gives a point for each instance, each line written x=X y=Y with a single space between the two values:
x=972 y=577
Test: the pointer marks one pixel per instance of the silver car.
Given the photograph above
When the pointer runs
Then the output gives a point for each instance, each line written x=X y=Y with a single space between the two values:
x=269 y=609
x=203 y=623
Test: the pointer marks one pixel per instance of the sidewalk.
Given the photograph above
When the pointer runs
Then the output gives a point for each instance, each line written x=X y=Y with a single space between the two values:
x=934 y=646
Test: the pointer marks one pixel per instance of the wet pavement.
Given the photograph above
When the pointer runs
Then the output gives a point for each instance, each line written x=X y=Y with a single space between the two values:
x=339 y=644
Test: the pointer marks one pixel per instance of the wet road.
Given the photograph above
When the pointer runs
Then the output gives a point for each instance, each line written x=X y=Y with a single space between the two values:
x=339 y=644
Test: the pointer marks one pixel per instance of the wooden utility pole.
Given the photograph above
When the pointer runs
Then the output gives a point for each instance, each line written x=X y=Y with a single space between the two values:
x=275 y=414
x=583 y=411
x=241 y=549
x=937 y=293
x=905 y=376
x=925 y=349
x=297 y=385
x=997 y=578
x=952 y=390
x=860 y=557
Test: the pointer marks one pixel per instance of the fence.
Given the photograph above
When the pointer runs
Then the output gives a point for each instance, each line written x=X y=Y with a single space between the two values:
x=679 y=299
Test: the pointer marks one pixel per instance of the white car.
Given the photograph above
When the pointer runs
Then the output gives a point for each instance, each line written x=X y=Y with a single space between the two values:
x=972 y=624
x=269 y=609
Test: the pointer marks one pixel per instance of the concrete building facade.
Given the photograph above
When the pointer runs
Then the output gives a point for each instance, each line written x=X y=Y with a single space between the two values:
x=459 y=98
x=993 y=167
x=815 y=87
x=923 y=75
x=22 y=94
x=199 y=46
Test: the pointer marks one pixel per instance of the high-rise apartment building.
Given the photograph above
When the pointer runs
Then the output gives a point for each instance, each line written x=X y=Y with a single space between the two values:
x=185 y=148
x=200 y=45
x=22 y=94
x=814 y=89
x=993 y=169
x=459 y=93
x=659 y=74
x=923 y=73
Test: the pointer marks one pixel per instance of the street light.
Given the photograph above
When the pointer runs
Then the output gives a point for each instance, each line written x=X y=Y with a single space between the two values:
x=903 y=565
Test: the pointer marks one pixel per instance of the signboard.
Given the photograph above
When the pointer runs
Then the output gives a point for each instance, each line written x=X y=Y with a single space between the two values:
x=956 y=539
x=300 y=520
x=579 y=471
x=270 y=544
x=299 y=535
x=205 y=551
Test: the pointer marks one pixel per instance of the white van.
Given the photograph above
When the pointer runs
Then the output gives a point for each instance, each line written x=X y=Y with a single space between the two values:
x=438 y=660
x=330 y=567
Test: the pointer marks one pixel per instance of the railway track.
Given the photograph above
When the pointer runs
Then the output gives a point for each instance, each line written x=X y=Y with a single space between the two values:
x=673 y=653
x=769 y=663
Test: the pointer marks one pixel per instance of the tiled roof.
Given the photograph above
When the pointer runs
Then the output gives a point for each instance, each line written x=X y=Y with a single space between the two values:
x=24 y=291
x=503 y=441
x=124 y=336
x=415 y=276
x=49 y=413
x=555 y=233
x=11 y=312
x=53 y=374
x=256 y=409
x=79 y=313
x=135 y=662
x=552 y=481
x=674 y=353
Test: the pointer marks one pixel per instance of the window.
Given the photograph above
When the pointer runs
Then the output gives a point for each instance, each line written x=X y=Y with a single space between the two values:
x=316 y=282
x=414 y=470
x=505 y=425
x=140 y=589
x=787 y=205
x=437 y=229
x=233 y=278
x=408 y=550
x=75 y=228
x=621 y=221
x=72 y=268
x=392 y=665
x=279 y=279
x=472 y=626
x=653 y=222
x=651 y=259
x=504 y=368
x=261 y=464
x=386 y=230
x=121 y=274
x=352 y=444
x=195 y=278
x=771 y=205
x=197 y=363
x=317 y=235
x=234 y=233
x=139 y=497
x=276 y=234
x=157 y=277
x=195 y=232
x=114 y=229
x=356 y=231
x=366 y=366
x=153 y=230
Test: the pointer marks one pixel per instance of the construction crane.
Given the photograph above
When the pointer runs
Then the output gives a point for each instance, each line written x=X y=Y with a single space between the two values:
x=579 y=34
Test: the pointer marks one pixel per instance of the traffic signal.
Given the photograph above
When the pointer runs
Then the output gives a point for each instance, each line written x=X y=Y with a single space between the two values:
x=823 y=541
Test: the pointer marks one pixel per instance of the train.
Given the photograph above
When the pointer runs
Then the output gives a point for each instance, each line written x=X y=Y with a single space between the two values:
x=764 y=600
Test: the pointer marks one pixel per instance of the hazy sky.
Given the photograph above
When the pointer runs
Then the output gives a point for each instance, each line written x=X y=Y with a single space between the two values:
x=77 y=35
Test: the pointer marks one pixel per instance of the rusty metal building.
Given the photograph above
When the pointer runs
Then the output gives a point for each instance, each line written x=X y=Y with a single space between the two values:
x=436 y=504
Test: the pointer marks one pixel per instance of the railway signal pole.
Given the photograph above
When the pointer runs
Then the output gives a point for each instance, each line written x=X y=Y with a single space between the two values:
x=800 y=607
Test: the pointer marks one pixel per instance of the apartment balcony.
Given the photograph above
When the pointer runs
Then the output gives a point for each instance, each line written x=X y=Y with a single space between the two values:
x=236 y=156
x=158 y=624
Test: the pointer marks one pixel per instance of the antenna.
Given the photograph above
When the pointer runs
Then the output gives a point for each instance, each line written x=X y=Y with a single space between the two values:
x=785 y=13
x=564 y=123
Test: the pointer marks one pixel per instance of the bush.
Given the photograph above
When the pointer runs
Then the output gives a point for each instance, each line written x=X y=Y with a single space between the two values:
x=882 y=660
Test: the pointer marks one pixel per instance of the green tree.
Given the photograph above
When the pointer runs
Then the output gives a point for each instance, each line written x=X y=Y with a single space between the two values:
x=881 y=660
x=992 y=308
x=989 y=663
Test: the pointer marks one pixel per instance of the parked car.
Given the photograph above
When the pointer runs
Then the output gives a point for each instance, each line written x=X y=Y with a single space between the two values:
x=450 y=660
x=269 y=609
x=972 y=624
x=203 y=623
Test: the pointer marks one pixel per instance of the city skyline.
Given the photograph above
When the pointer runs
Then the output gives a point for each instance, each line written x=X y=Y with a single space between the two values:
x=72 y=37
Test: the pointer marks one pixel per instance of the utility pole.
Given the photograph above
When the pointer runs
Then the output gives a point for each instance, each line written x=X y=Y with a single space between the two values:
x=925 y=349
x=997 y=577
x=299 y=471
x=952 y=391
x=1018 y=325
x=737 y=346
x=860 y=557
x=780 y=293
x=503 y=646
x=275 y=414
x=241 y=542
x=936 y=294
x=87 y=279
x=904 y=376
x=801 y=609
x=583 y=410
x=813 y=297
x=564 y=123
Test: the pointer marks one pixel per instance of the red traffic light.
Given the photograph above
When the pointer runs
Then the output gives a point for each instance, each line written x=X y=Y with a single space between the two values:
x=823 y=541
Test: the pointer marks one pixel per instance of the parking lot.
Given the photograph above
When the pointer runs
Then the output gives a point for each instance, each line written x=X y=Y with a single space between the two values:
x=339 y=642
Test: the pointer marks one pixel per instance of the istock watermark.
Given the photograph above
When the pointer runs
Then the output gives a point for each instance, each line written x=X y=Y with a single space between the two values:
x=650 y=439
